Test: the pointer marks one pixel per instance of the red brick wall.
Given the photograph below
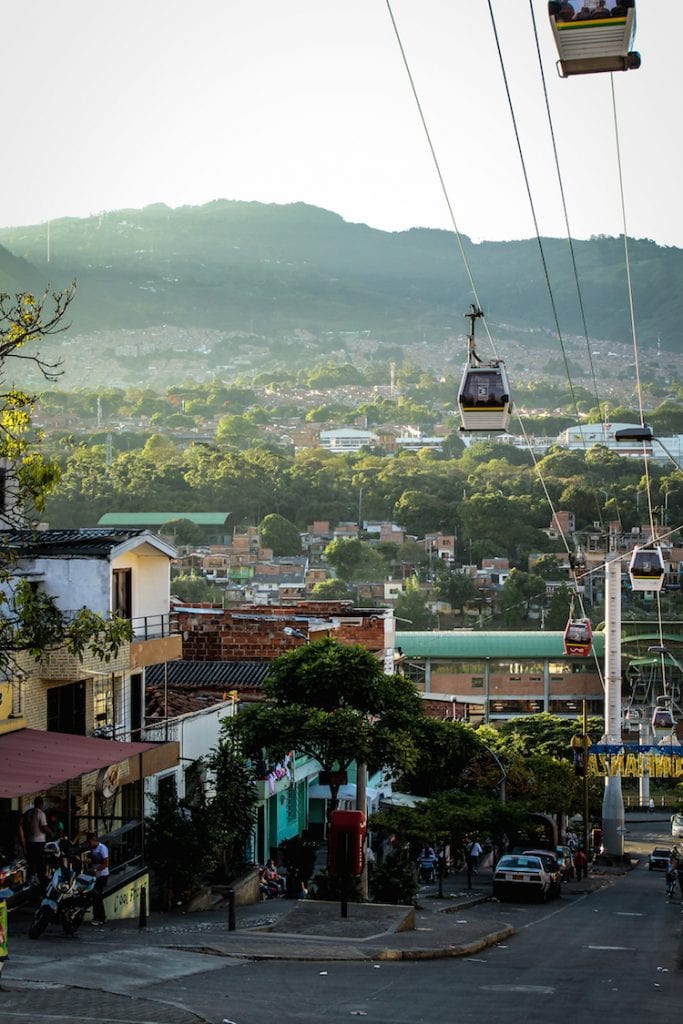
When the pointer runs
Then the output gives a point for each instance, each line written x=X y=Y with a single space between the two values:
x=252 y=633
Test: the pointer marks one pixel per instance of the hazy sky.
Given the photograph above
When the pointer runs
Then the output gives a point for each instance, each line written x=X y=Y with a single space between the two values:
x=110 y=105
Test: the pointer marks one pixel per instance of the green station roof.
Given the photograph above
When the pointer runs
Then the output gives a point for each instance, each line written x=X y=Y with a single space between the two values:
x=161 y=518
x=465 y=643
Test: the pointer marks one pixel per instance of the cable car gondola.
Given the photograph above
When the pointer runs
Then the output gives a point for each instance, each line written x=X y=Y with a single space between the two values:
x=646 y=569
x=484 y=395
x=578 y=637
x=595 y=36
x=662 y=716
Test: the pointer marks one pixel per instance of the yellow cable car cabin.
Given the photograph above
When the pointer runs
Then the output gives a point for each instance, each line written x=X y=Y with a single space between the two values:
x=578 y=638
x=646 y=569
x=593 y=36
x=484 y=398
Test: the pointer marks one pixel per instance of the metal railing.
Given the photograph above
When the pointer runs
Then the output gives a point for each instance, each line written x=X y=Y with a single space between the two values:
x=125 y=843
x=155 y=627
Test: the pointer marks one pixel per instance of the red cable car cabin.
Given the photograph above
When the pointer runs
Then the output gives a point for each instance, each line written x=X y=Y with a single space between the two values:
x=578 y=638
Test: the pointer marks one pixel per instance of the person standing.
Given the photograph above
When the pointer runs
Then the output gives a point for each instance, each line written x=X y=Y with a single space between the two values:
x=652 y=805
x=474 y=852
x=34 y=832
x=99 y=860
x=671 y=875
x=580 y=864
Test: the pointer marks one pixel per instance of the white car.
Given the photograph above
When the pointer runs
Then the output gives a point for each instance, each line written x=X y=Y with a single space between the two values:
x=677 y=826
x=520 y=876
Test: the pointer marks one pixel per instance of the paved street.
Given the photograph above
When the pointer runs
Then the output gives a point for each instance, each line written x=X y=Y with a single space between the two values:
x=611 y=943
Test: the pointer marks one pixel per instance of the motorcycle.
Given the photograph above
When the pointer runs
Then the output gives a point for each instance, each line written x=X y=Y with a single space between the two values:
x=15 y=887
x=68 y=894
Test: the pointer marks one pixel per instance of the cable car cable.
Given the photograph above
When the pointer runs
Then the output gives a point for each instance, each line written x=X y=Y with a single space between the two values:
x=539 y=241
x=560 y=182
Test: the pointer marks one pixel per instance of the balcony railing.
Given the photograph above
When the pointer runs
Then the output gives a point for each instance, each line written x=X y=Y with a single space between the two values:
x=155 y=627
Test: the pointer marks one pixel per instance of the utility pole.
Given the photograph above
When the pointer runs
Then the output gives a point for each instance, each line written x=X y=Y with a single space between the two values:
x=613 y=799
x=362 y=805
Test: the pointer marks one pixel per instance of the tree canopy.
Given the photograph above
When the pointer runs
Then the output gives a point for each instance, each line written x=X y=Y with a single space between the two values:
x=334 y=703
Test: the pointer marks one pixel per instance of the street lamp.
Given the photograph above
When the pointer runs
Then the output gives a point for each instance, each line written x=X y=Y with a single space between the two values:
x=290 y=631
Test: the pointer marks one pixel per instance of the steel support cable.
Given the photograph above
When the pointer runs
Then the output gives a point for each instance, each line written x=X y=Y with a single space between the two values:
x=557 y=325
x=570 y=240
x=540 y=246
x=560 y=181
x=634 y=334
x=437 y=166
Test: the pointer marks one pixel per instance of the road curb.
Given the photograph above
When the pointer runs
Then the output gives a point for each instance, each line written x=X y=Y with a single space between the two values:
x=446 y=952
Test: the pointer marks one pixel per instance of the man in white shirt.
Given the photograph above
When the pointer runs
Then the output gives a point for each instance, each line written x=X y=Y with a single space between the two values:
x=474 y=852
x=99 y=860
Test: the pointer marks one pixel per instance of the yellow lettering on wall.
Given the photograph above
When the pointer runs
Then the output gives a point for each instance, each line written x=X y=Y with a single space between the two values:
x=617 y=765
x=593 y=764
x=631 y=766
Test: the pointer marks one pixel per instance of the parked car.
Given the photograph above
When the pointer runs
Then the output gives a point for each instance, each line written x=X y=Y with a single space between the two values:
x=520 y=876
x=658 y=859
x=552 y=866
x=677 y=826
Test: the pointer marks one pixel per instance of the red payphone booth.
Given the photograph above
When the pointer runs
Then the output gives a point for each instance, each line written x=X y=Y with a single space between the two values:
x=346 y=842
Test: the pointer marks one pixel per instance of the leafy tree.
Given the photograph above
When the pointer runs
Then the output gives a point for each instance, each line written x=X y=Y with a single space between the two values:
x=455 y=587
x=331 y=590
x=334 y=703
x=445 y=749
x=189 y=840
x=194 y=588
x=543 y=734
x=559 y=608
x=184 y=531
x=31 y=621
x=412 y=611
x=280 y=534
x=520 y=591
x=345 y=557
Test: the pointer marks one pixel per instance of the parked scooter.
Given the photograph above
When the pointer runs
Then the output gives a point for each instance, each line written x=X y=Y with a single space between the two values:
x=68 y=894
x=15 y=887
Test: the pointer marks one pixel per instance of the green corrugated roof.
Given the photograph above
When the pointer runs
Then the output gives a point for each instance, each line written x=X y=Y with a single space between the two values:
x=464 y=643
x=160 y=518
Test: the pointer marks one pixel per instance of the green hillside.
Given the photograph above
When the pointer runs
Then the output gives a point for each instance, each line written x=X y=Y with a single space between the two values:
x=269 y=269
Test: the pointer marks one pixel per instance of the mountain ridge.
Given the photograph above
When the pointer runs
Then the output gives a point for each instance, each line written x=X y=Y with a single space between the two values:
x=270 y=269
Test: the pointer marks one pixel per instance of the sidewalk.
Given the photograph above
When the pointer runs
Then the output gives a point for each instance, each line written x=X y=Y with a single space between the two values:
x=66 y=980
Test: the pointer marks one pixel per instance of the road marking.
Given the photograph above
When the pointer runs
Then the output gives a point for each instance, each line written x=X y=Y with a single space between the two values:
x=626 y=913
x=545 y=990
x=623 y=949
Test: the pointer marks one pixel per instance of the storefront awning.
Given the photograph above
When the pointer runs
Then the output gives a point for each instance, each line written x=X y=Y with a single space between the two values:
x=32 y=761
x=346 y=792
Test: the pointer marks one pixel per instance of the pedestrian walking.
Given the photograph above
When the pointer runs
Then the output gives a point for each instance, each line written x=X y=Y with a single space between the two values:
x=679 y=874
x=651 y=805
x=580 y=864
x=99 y=860
x=671 y=875
x=473 y=852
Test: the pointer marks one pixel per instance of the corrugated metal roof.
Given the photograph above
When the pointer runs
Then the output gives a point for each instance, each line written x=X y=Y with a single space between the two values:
x=33 y=760
x=219 y=675
x=463 y=643
x=94 y=542
x=159 y=518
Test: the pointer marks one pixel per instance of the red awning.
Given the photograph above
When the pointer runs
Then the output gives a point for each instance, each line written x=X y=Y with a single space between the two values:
x=32 y=761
